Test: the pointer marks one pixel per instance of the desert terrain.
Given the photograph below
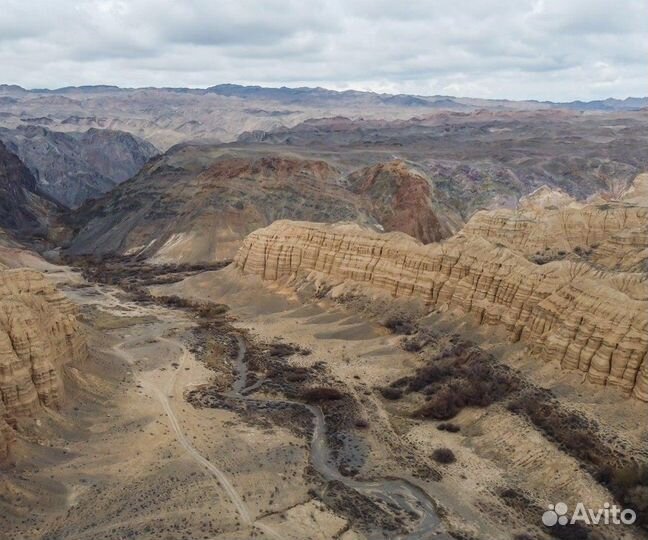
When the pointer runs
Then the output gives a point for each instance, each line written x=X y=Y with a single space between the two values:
x=319 y=315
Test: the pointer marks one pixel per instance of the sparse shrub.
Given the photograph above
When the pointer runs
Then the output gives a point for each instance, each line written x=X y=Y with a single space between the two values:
x=321 y=393
x=411 y=345
x=211 y=310
x=399 y=324
x=516 y=499
x=442 y=406
x=297 y=375
x=443 y=455
x=449 y=427
x=418 y=342
x=428 y=375
x=460 y=377
x=282 y=350
x=391 y=393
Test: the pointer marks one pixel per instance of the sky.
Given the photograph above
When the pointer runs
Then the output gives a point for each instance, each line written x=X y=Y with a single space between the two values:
x=558 y=50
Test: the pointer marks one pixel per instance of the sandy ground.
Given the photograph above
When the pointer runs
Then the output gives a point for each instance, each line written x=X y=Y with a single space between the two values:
x=129 y=458
x=495 y=449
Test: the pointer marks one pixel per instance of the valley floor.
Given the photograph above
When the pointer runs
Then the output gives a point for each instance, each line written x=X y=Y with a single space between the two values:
x=182 y=427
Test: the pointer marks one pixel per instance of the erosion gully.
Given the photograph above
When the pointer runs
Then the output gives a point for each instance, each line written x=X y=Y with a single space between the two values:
x=393 y=491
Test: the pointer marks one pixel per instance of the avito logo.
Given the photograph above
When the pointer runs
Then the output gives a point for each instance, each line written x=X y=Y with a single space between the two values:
x=558 y=514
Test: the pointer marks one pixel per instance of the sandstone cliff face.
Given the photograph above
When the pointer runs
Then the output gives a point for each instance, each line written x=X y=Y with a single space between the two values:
x=565 y=229
x=566 y=311
x=549 y=224
x=39 y=334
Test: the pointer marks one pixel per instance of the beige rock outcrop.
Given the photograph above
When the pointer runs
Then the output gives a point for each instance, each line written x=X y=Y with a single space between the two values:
x=637 y=192
x=549 y=224
x=565 y=230
x=545 y=198
x=39 y=334
x=566 y=311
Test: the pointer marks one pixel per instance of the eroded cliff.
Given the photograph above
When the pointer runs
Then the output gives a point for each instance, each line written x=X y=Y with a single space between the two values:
x=566 y=311
x=39 y=334
x=548 y=224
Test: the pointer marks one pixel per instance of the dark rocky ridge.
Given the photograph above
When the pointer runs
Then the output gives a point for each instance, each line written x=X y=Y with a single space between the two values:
x=196 y=203
x=73 y=167
x=485 y=159
x=23 y=210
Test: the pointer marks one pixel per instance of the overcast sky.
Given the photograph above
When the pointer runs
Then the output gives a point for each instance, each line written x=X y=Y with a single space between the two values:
x=543 y=49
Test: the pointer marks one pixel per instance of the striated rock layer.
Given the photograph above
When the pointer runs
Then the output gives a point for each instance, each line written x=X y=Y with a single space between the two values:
x=549 y=224
x=566 y=311
x=39 y=334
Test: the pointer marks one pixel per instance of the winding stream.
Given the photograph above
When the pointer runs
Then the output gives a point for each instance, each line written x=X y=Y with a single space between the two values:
x=395 y=492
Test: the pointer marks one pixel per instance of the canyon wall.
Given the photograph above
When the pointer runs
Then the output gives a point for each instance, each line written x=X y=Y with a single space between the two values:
x=39 y=334
x=548 y=224
x=566 y=311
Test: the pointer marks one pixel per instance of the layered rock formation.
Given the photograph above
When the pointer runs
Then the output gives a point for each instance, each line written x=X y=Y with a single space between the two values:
x=549 y=224
x=566 y=311
x=39 y=334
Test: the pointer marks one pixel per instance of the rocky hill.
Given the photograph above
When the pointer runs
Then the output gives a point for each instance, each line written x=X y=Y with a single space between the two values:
x=196 y=203
x=403 y=199
x=73 y=167
x=39 y=334
x=23 y=210
x=168 y=116
x=484 y=160
x=567 y=312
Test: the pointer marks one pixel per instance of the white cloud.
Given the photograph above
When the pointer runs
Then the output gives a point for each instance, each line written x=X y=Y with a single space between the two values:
x=544 y=49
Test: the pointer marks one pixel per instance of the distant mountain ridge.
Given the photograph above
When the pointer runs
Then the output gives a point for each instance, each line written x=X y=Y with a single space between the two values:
x=297 y=95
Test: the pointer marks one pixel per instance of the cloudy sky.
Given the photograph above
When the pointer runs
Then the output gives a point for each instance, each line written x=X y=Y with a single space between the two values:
x=543 y=49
